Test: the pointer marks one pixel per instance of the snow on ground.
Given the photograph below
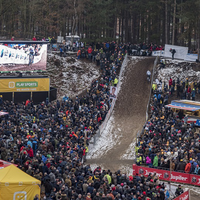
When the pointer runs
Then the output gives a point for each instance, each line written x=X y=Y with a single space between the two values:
x=126 y=169
x=130 y=152
x=106 y=140
x=94 y=166
x=123 y=169
x=137 y=58
x=178 y=69
x=174 y=61
x=69 y=75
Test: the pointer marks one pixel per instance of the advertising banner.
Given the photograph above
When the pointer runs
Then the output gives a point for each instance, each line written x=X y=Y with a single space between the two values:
x=163 y=174
x=181 y=52
x=194 y=179
x=184 y=196
x=113 y=92
x=24 y=84
x=191 y=57
x=23 y=57
x=158 y=53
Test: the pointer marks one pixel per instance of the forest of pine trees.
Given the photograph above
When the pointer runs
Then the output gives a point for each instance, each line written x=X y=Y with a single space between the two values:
x=159 y=21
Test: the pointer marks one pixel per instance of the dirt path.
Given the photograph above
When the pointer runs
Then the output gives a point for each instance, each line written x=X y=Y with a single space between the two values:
x=129 y=114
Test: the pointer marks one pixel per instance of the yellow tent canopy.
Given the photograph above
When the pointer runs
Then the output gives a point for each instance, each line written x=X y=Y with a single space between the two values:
x=17 y=185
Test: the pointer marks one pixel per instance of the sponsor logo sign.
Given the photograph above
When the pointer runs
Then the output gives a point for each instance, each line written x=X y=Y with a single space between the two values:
x=24 y=84
x=165 y=175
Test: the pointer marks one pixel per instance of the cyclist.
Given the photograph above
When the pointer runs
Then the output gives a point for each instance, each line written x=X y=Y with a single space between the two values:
x=31 y=56
x=148 y=75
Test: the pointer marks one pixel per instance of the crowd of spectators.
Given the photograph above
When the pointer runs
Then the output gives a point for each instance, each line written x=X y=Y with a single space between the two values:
x=49 y=141
x=92 y=51
x=168 y=141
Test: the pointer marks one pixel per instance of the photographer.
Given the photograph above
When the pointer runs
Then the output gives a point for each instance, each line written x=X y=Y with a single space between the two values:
x=179 y=191
x=173 y=51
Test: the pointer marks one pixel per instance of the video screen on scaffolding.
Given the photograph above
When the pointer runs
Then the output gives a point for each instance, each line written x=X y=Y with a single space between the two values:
x=23 y=56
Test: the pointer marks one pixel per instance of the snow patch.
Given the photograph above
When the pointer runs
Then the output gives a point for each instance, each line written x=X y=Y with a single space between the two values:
x=124 y=169
x=106 y=141
x=130 y=152
x=178 y=69
x=69 y=75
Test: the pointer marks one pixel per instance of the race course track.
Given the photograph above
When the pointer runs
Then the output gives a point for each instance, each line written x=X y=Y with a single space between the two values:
x=128 y=117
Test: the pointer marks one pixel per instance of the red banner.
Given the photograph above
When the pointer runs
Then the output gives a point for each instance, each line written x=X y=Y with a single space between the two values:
x=194 y=179
x=165 y=175
x=179 y=177
x=184 y=196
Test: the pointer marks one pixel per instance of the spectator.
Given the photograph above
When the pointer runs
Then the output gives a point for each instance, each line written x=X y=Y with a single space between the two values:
x=34 y=38
x=155 y=161
x=188 y=167
x=178 y=191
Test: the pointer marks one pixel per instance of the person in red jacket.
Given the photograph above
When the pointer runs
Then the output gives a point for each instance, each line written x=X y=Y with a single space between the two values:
x=99 y=118
x=27 y=102
x=170 y=82
x=79 y=54
x=34 y=38
x=84 y=155
x=89 y=52
x=30 y=152
x=187 y=168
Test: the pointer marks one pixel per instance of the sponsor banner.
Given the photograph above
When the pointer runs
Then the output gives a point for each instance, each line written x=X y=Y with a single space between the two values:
x=24 y=84
x=163 y=174
x=184 y=196
x=194 y=179
x=135 y=169
x=179 y=177
x=113 y=92
x=158 y=53
x=145 y=171
x=191 y=57
x=181 y=52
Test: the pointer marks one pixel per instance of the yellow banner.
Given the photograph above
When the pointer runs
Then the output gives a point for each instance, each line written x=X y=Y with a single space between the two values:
x=24 y=84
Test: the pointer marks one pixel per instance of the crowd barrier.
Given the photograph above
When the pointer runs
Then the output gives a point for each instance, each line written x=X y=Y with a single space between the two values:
x=188 y=57
x=103 y=125
x=191 y=57
x=158 y=53
x=152 y=78
x=166 y=175
x=184 y=196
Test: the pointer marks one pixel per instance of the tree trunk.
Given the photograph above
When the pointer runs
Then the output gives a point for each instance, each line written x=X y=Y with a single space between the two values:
x=174 y=22
x=189 y=36
x=166 y=23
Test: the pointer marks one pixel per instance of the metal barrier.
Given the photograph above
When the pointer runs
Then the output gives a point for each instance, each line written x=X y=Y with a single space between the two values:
x=152 y=78
x=147 y=110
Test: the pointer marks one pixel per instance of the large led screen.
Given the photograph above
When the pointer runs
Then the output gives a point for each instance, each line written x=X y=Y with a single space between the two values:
x=23 y=57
